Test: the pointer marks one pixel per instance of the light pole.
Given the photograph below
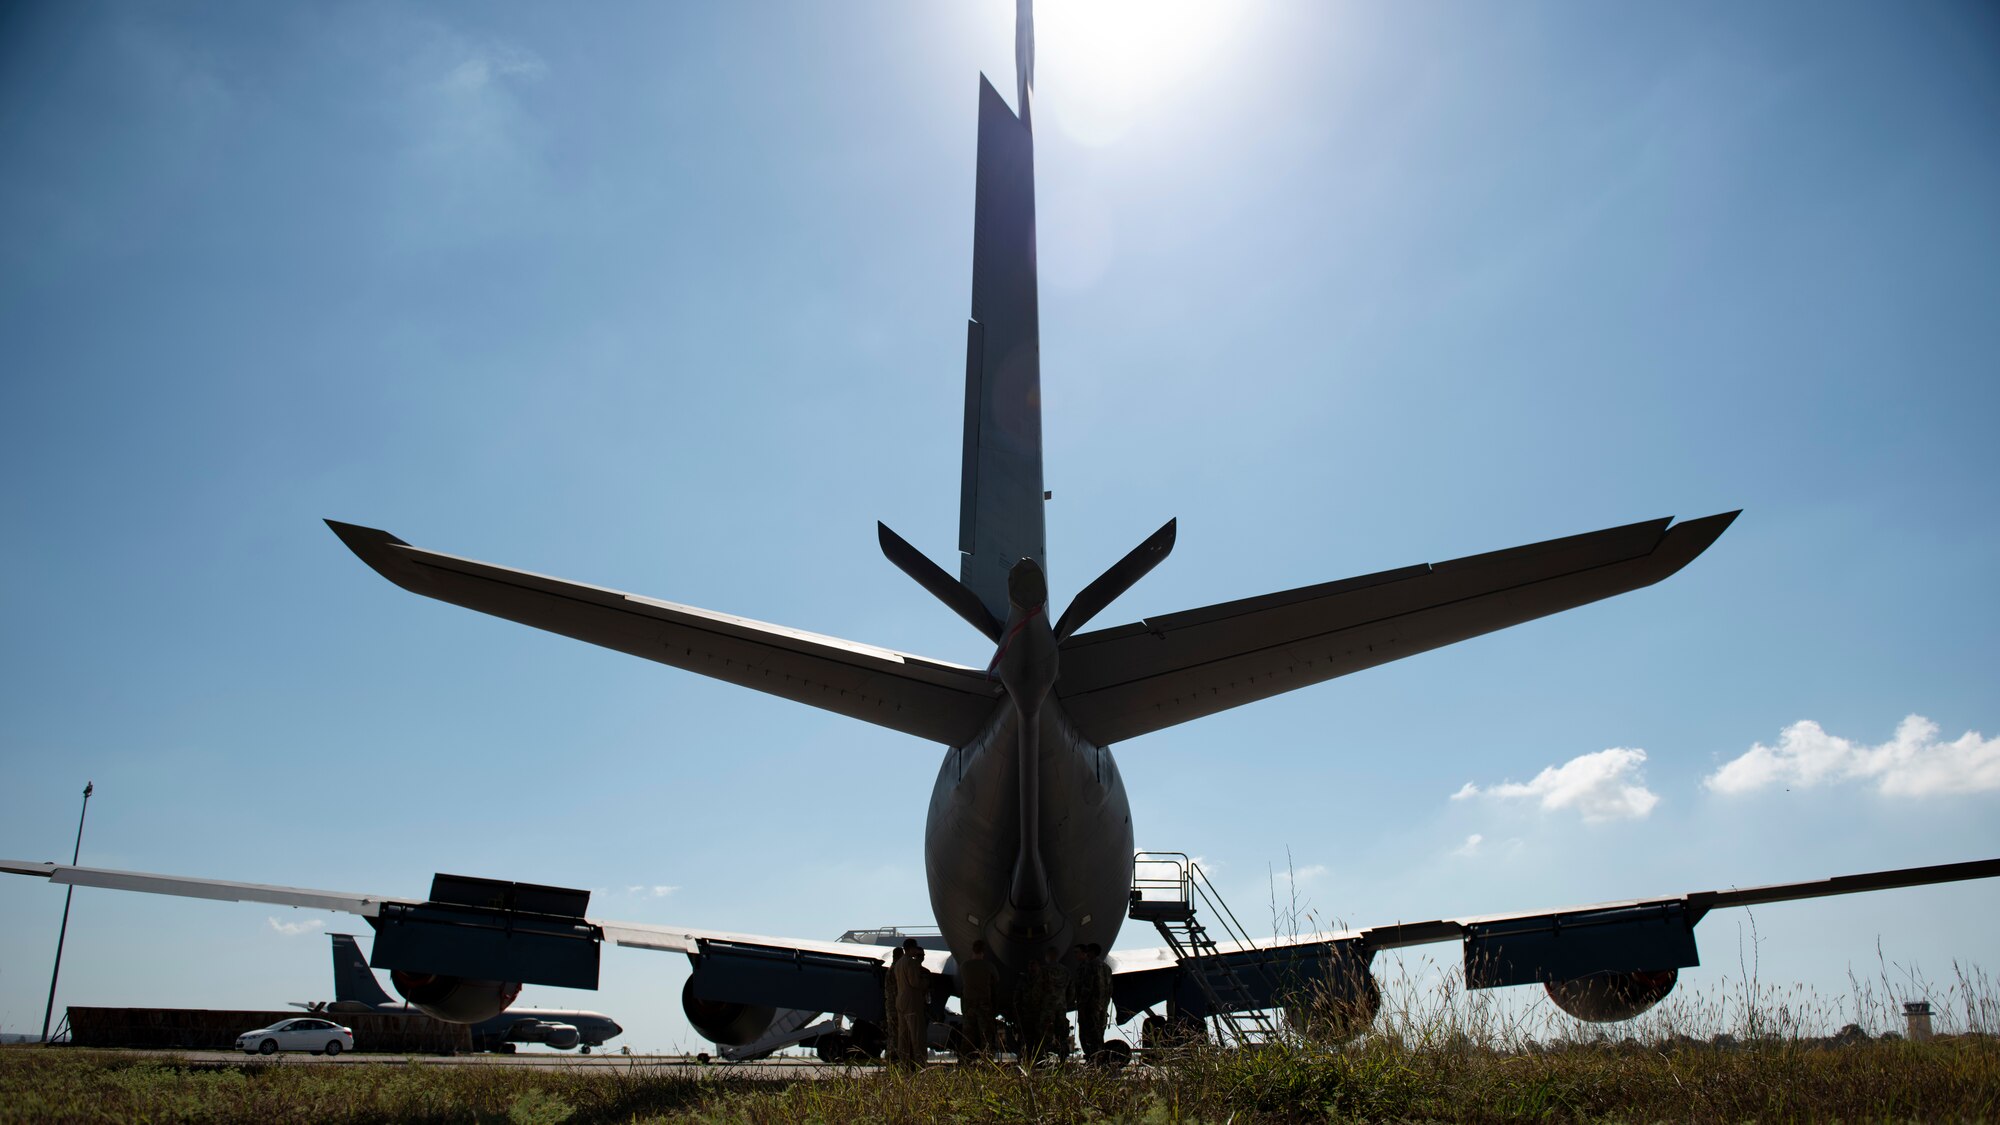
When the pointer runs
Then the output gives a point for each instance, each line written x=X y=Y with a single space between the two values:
x=67 y=895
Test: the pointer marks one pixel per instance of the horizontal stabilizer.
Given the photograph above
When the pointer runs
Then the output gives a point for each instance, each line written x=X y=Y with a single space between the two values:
x=1120 y=683
x=930 y=699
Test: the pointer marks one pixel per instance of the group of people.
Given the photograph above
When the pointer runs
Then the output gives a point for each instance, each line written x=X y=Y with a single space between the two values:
x=1043 y=996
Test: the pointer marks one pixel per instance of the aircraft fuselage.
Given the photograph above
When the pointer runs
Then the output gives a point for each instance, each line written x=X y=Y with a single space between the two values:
x=972 y=840
x=1028 y=843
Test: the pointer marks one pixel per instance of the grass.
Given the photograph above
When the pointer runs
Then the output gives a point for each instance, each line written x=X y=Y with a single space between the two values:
x=1948 y=1079
x=1435 y=1054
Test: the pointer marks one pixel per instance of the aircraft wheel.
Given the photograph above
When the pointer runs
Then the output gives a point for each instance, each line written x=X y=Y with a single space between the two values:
x=268 y=1047
x=585 y=1048
x=1151 y=1031
x=869 y=1039
x=834 y=1049
x=504 y=1049
x=332 y=1048
x=1116 y=1053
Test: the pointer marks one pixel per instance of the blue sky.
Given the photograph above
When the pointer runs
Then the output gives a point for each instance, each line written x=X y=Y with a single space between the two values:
x=671 y=298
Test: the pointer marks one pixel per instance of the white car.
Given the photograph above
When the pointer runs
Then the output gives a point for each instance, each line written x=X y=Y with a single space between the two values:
x=305 y=1033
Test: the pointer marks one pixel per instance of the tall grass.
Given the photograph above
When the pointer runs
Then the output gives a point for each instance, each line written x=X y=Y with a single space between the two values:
x=1426 y=1004
x=1437 y=1053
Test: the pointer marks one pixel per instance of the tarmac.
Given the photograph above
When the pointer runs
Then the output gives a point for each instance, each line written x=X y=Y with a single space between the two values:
x=786 y=1069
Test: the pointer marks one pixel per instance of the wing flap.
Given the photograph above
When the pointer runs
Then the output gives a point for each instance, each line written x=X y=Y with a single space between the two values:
x=930 y=699
x=1120 y=683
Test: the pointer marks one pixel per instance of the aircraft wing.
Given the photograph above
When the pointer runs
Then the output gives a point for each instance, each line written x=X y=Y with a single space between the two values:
x=930 y=699
x=344 y=902
x=1123 y=682
x=639 y=935
x=1523 y=947
x=492 y=930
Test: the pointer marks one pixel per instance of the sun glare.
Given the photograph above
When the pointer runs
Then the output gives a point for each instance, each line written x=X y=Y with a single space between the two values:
x=1104 y=60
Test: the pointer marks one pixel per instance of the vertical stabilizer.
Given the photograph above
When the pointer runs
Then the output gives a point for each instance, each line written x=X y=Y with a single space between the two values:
x=1024 y=54
x=353 y=981
x=1000 y=500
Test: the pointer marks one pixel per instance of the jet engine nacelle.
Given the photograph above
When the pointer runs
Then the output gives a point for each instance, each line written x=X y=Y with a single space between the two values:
x=454 y=999
x=719 y=1021
x=1339 y=1009
x=1610 y=997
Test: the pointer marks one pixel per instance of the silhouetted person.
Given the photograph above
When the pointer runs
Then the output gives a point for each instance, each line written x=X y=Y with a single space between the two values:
x=1030 y=999
x=913 y=994
x=979 y=999
x=1093 y=993
x=1050 y=992
x=892 y=1048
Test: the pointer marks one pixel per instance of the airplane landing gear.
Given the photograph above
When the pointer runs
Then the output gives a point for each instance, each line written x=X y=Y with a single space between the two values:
x=837 y=1048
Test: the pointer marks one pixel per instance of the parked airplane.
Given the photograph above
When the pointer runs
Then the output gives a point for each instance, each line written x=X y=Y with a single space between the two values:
x=1028 y=841
x=355 y=989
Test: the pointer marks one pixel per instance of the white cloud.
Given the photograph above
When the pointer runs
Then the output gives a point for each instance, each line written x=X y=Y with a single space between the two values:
x=1602 y=786
x=662 y=890
x=294 y=929
x=1471 y=845
x=1912 y=764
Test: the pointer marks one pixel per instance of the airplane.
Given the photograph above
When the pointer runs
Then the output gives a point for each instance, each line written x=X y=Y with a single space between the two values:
x=1029 y=835
x=355 y=989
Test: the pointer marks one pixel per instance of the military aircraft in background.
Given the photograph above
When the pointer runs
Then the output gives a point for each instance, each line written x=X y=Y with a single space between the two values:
x=1029 y=838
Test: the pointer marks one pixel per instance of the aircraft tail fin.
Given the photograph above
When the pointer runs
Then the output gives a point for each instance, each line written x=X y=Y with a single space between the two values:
x=353 y=980
x=1000 y=498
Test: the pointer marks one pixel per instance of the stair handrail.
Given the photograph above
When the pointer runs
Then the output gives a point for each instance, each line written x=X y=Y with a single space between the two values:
x=1237 y=933
x=1177 y=884
x=1210 y=897
x=1183 y=882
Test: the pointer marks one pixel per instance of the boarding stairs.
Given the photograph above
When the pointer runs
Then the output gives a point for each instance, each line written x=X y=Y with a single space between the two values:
x=1167 y=888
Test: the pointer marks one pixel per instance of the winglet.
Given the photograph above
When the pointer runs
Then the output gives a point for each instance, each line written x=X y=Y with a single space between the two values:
x=378 y=549
x=1689 y=538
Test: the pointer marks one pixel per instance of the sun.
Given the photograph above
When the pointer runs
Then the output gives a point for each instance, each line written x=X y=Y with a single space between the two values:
x=1105 y=60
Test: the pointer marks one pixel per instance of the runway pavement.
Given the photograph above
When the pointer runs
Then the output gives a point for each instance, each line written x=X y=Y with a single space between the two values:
x=651 y=1065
